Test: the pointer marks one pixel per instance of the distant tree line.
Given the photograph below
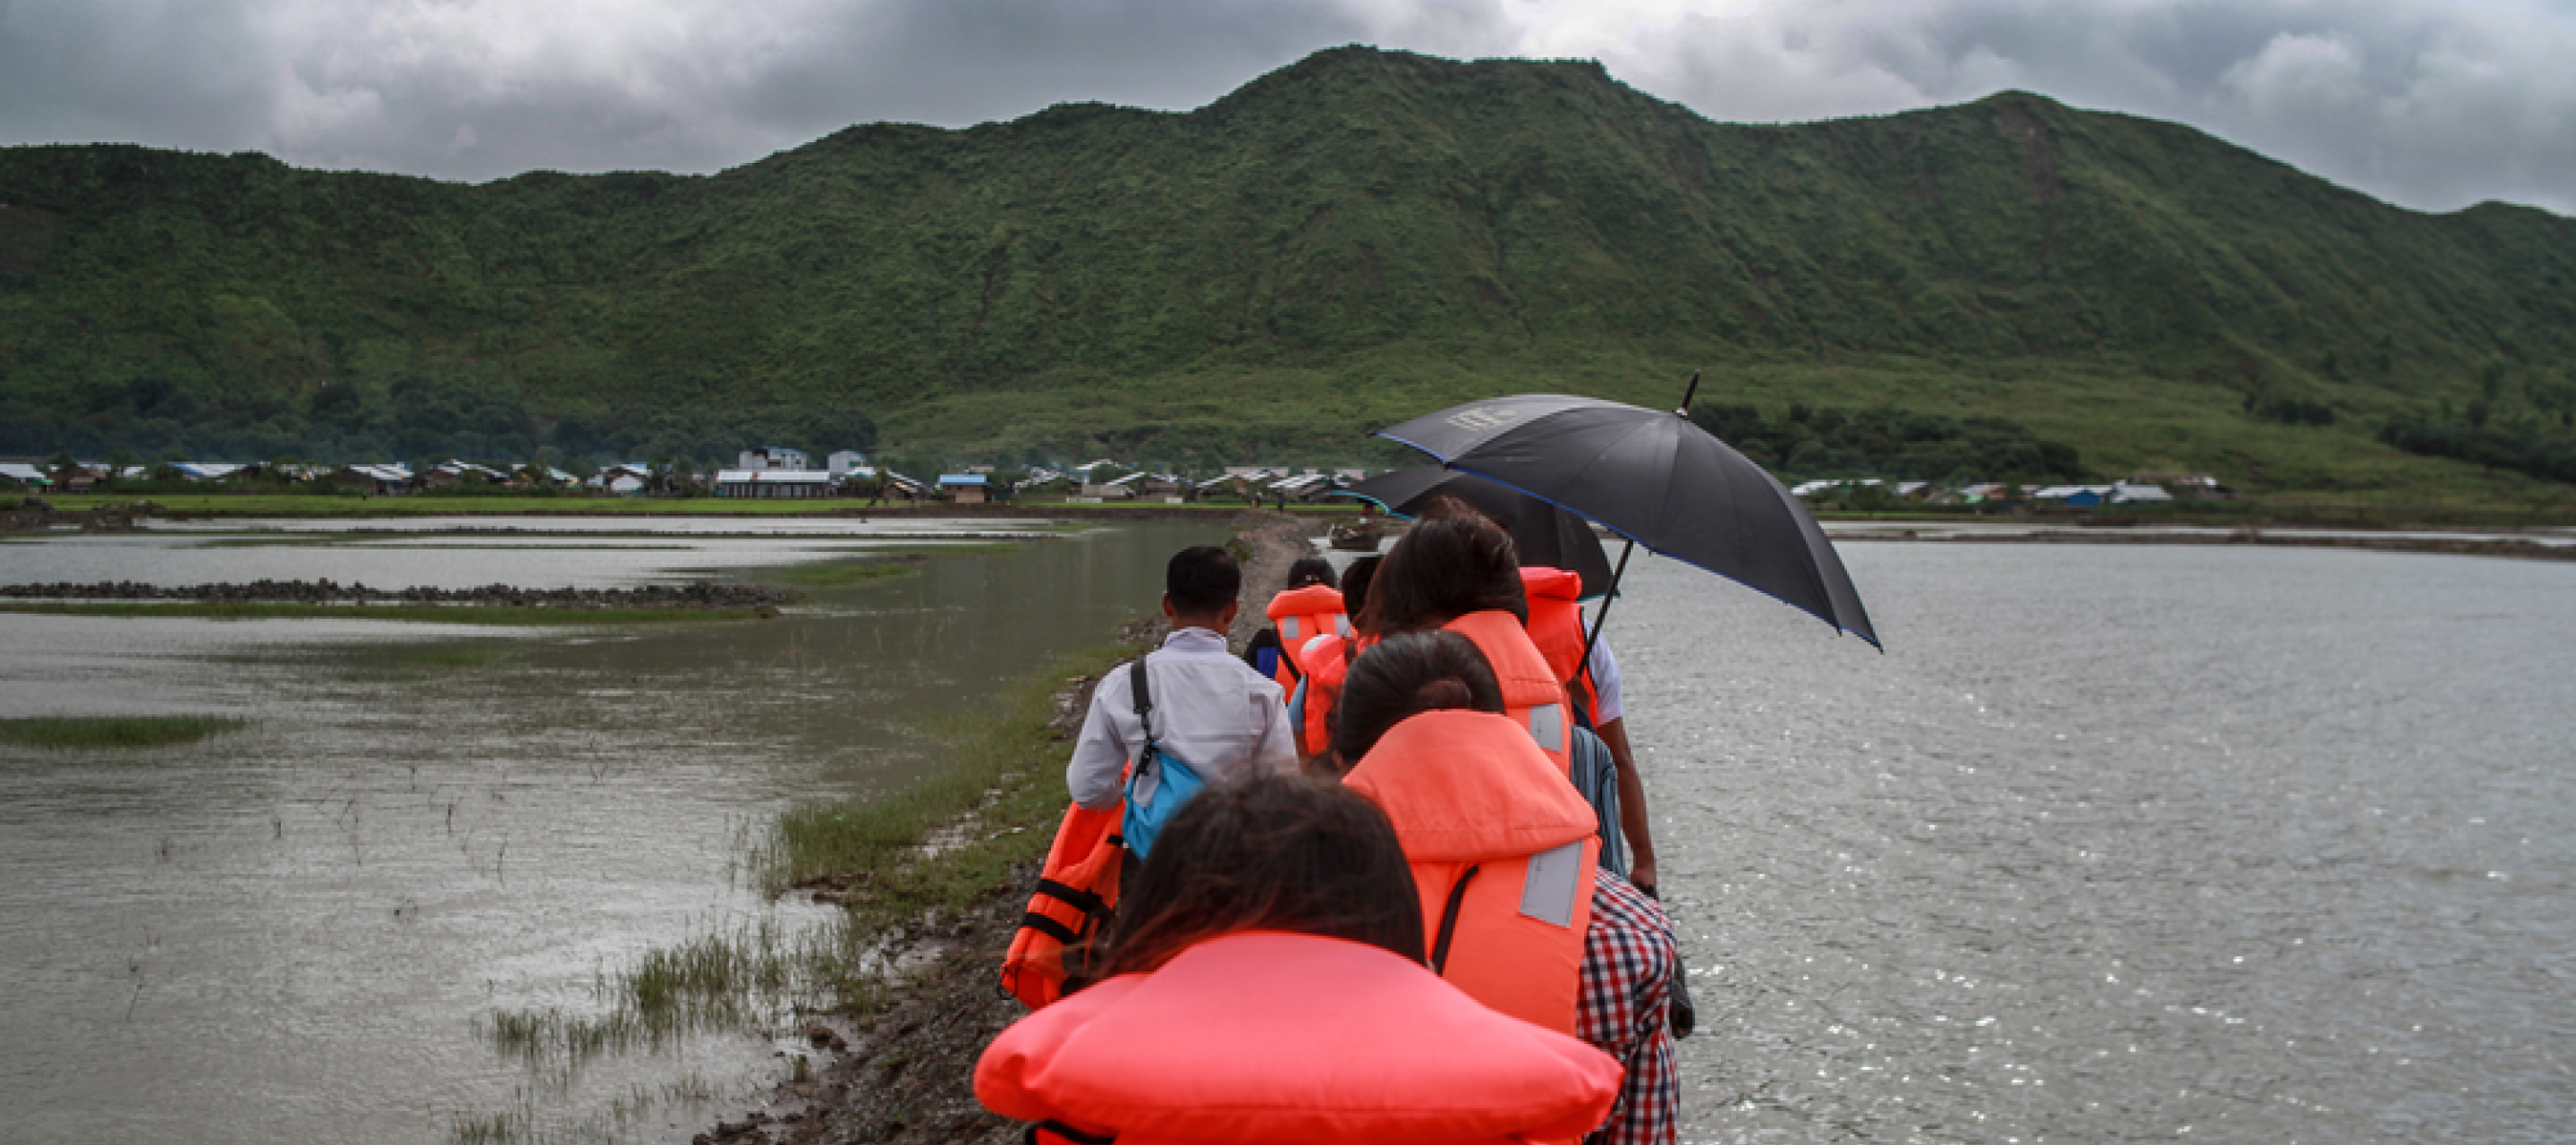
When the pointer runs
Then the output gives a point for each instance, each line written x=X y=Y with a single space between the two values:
x=1886 y=442
x=2521 y=447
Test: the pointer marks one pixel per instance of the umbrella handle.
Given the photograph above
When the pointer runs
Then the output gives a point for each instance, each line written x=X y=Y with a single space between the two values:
x=1593 y=637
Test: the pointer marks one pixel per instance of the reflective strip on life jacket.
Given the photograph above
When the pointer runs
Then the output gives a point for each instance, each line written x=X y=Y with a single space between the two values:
x=1502 y=850
x=1302 y=614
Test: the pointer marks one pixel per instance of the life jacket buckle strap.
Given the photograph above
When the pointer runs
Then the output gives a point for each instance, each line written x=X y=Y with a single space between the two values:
x=1449 y=919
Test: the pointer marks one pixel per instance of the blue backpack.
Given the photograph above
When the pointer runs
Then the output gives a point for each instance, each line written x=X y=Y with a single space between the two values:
x=1175 y=781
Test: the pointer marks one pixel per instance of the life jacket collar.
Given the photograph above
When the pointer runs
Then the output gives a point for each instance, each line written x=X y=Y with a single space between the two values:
x=1472 y=786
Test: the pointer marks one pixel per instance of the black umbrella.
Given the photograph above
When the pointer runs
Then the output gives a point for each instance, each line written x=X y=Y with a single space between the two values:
x=1655 y=478
x=1544 y=534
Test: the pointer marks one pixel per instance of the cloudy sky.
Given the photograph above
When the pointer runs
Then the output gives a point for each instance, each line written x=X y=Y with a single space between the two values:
x=2425 y=103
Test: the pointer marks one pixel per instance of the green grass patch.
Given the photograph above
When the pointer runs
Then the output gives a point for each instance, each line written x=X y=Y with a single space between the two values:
x=1005 y=769
x=404 y=613
x=114 y=731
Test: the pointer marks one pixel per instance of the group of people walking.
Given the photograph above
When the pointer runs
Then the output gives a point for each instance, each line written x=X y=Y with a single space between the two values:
x=1399 y=886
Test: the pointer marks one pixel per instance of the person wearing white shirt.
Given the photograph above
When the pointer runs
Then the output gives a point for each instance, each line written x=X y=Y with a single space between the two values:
x=1609 y=711
x=1209 y=708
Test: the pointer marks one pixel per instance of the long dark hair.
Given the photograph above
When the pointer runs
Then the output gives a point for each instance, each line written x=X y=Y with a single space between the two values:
x=1446 y=567
x=1268 y=852
x=1407 y=675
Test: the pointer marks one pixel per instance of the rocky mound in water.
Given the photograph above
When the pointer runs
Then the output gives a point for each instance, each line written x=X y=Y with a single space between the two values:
x=699 y=594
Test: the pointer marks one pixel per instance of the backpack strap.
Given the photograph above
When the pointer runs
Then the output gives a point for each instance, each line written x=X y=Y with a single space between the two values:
x=1142 y=692
x=1138 y=684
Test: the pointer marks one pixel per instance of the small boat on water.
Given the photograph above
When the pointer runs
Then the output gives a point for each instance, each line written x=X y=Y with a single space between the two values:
x=1360 y=538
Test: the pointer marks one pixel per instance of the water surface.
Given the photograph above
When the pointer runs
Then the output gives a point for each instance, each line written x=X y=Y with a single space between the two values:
x=2121 y=844
x=286 y=934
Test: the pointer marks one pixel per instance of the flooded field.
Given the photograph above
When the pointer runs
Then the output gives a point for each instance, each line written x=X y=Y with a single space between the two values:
x=2115 y=843
x=289 y=932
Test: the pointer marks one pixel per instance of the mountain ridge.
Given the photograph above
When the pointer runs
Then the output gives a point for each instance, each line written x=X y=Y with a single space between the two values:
x=1372 y=233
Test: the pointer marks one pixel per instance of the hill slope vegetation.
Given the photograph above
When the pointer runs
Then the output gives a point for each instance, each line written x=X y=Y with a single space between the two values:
x=1345 y=242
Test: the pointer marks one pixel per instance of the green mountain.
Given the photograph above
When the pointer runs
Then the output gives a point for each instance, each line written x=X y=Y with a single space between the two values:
x=1350 y=240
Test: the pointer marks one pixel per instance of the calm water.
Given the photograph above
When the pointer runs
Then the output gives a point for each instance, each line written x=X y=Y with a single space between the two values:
x=2122 y=844
x=2116 y=843
x=285 y=934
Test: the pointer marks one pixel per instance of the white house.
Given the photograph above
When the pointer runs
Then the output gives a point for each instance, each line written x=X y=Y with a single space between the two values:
x=842 y=463
x=769 y=457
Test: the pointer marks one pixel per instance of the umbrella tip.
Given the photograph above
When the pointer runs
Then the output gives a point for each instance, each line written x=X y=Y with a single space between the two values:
x=1688 y=393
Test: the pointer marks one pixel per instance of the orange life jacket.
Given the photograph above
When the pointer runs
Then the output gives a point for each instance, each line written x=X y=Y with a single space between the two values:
x=1076 y=897
x=1303 y=614
x=1326 y=660
x=1270 y=1038
x=1502 y=850
x=1556 y=627
x=1532 y=694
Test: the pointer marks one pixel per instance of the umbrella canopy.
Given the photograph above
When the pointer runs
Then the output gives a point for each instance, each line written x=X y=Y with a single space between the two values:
x=1544 y=534
x=1656 y=479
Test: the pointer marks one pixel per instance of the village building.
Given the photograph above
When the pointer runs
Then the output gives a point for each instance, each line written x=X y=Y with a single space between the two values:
x=771 y=457
x=2186 y=486
x=773 y=484
x=964 y=488
x=843 y=463
x=626 y=479
x=1120 y=489
x=375 y=480
x=23 y=476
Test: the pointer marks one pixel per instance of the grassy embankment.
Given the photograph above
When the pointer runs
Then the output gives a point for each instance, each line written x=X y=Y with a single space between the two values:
x=920 y=853
x=114 y=731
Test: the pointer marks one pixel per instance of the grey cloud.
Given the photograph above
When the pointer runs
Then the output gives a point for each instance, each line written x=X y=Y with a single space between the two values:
x=2432 y=106
x=960 y=62
x=173 y=73
x=2429 y=104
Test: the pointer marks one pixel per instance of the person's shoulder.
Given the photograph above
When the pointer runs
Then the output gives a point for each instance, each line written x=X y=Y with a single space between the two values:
x=1619 y=902
x=1260 y=684
x=1114 y=683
